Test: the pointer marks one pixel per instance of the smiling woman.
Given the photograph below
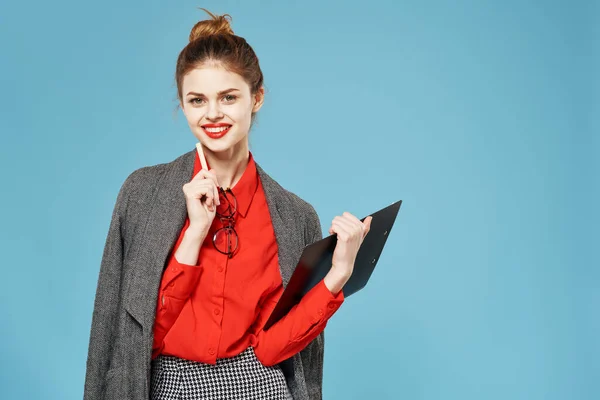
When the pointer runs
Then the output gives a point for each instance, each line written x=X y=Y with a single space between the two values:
x=183 y=296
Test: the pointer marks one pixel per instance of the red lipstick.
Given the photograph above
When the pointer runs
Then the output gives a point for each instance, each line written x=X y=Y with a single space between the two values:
x=216 y=130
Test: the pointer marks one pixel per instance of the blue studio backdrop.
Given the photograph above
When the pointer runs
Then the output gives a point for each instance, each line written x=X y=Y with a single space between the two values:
x=482 y=116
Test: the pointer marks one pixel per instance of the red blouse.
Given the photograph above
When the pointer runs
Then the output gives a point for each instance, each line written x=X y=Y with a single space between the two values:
x=217 y=308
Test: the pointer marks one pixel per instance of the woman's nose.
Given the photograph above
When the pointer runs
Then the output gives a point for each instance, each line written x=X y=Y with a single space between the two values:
x=213 y=111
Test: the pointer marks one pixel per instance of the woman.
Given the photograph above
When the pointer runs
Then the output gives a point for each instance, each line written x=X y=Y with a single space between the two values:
x=188 y=280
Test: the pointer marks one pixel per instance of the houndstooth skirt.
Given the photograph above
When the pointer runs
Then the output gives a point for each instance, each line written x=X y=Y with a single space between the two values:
x=239 y=377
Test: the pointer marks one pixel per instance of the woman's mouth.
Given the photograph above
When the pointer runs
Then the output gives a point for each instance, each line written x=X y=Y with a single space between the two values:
x=216 y=132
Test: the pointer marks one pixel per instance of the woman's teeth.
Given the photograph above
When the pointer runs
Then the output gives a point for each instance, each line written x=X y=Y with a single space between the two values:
x=217 y=130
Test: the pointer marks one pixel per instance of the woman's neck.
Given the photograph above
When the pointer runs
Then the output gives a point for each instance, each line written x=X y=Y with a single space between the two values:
x=228 y=165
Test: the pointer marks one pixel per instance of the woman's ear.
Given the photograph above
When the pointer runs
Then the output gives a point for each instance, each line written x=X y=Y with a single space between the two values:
x=259 y=99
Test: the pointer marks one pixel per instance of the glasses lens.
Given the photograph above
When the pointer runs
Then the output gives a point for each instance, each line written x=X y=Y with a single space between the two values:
x=226 y=240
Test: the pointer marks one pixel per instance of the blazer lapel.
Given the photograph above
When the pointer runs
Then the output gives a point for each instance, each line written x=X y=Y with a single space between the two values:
x=164 y=222
x=285 y=225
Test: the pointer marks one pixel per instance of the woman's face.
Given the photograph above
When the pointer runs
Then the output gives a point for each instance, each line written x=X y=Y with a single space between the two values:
x=218 y=107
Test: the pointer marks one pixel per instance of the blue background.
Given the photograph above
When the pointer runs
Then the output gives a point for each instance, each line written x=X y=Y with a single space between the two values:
x=481 y=116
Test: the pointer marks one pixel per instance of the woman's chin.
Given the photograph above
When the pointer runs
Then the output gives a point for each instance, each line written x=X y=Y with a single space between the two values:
x=222 y=145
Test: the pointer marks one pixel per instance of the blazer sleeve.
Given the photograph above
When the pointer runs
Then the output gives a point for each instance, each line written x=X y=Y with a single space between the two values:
x=107 y=301
x=313 y=355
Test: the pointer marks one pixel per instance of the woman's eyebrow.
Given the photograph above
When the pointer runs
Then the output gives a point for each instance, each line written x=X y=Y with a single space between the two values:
x=220 y=93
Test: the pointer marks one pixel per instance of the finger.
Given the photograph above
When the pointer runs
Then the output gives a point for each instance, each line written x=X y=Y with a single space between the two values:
x=211 y=177
x=205 y=184
x=364 y=226
x=354 y=221
x=208 y=195
x=332 y=229
x=331 y=232
x=351 y=217
x=341 y=222
x=367 y=225
x=353 y=227
x=341 y=231
x=204 y=174
x=200 y=190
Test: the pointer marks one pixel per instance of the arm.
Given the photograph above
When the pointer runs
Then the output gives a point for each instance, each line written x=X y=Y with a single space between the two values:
x=300 y=326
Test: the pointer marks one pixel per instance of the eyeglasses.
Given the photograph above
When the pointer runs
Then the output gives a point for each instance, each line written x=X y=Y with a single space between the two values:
x=225 y=239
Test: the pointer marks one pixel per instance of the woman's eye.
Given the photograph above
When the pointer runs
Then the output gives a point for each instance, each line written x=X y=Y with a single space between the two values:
x=228 y=98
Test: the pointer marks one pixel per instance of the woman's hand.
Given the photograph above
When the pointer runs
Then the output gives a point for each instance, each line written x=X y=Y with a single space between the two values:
x=350 y=233
x=202 y=199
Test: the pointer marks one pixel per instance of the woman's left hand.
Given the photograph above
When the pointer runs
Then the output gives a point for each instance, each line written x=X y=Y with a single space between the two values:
x=350 y=233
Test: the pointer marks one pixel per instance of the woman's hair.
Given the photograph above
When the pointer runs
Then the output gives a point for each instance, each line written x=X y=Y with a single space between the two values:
x=213 y=42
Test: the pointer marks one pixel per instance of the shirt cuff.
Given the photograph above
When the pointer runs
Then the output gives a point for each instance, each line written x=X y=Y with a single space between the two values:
x=320 y=304
x=179 y=279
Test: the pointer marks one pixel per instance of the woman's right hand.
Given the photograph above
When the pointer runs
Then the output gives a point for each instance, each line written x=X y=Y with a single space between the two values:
x=202 y=199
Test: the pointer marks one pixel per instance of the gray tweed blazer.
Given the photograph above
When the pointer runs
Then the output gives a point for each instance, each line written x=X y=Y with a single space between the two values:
x=148 y=216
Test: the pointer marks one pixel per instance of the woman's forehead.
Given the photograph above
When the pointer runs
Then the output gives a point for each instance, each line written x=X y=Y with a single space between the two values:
x=212 y=80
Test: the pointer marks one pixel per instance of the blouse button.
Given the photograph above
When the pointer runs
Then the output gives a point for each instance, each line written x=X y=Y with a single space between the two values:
x=220 y=269
x=217 y=311
x=211 y=351
x=321 y=313
x=332 y=306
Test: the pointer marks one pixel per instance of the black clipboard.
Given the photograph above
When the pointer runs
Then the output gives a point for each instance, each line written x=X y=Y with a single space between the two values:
x=315 y=263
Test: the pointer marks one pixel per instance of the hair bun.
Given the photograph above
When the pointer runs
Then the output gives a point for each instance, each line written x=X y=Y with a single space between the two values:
x=218 y=25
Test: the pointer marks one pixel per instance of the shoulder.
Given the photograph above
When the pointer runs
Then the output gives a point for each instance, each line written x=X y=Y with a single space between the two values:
x=304 y=208
x=143 y=180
